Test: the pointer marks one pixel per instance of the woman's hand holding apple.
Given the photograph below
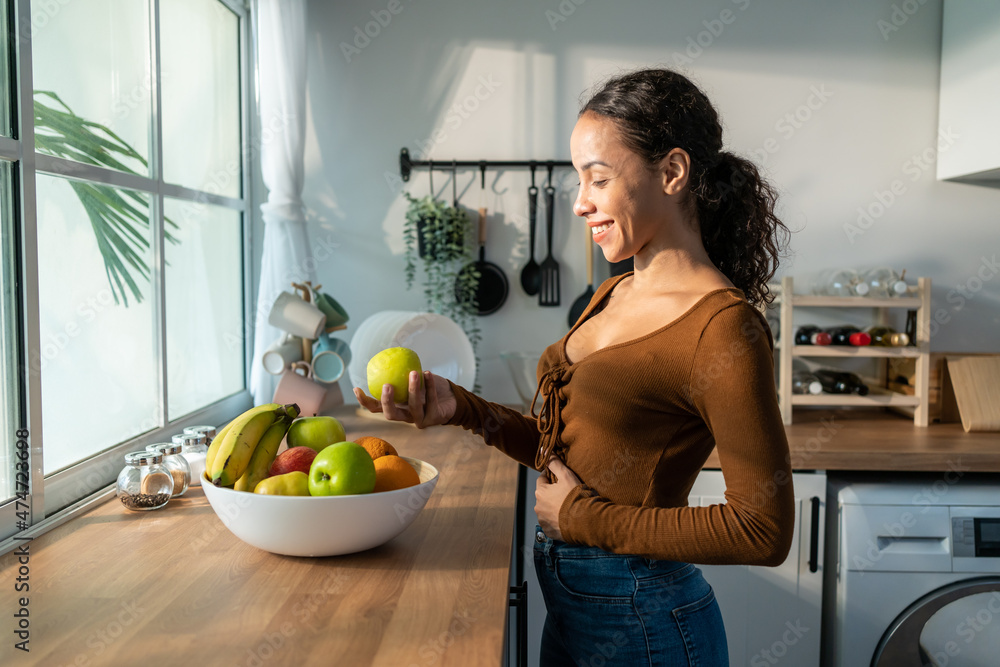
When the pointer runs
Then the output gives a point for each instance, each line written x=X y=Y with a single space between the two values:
x=430 y=405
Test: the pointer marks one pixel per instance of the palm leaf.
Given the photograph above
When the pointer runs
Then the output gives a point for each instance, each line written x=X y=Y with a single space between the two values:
x=119 y=218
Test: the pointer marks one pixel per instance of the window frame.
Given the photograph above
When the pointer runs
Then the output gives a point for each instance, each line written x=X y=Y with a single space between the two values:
x=63 y=493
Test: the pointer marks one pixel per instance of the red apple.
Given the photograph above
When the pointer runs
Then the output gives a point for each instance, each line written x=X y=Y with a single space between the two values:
x=291 y=460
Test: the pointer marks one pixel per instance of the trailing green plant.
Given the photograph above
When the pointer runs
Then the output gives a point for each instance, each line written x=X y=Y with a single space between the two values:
x=118 y=216
x=437 y=235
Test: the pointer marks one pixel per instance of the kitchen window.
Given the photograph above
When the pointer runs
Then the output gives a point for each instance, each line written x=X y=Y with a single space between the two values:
x=131 y=225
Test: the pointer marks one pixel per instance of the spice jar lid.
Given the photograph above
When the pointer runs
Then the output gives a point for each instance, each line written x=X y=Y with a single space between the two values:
x=206 y=430
x=143 y=458
x=190 y=439
x=166 y=448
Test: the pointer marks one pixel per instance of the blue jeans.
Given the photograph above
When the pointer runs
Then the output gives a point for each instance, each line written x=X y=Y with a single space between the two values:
x=607 y=609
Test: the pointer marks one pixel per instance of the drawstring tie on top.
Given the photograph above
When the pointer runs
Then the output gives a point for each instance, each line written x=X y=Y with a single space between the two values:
x=549 y=418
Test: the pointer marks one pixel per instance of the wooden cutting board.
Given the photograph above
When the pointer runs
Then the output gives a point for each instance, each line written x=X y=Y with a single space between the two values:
x=975 y=382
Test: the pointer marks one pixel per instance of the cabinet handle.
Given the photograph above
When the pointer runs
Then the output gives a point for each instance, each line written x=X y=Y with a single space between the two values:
x=814 y=536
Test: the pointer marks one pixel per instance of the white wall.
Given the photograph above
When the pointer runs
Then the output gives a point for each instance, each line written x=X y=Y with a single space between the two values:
x=878 y=110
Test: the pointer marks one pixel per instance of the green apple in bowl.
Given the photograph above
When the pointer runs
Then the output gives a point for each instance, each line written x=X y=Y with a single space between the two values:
x=315 y=432
x=342 y=469
x=393 y=366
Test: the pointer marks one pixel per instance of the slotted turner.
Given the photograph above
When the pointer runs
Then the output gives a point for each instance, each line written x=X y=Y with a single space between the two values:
x=548 y=294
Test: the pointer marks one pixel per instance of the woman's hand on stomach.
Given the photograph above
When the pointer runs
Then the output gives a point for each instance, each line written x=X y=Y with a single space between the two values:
x=549 y=496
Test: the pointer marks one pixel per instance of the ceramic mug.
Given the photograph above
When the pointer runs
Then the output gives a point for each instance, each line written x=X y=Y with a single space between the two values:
x=298 y=317
x=326 y=367
x=335 y=313
x=334 y=397
x=282 y=353
x=326 y=343
x=294 y=388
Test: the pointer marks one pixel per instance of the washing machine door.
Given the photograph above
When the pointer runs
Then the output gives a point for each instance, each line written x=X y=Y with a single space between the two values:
x=956 y=625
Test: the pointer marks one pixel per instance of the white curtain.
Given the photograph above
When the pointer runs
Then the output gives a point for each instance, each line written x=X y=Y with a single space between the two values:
x=281 y=57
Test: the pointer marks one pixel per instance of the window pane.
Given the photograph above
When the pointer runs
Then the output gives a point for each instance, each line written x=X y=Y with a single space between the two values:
x=91 y=61
x=5 y=71
x=204 y=305
x=199 y=45
x=9 y=420
x=98 y=359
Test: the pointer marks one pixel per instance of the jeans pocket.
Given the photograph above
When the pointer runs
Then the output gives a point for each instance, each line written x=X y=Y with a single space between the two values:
x=598 y=579
x=703 y=633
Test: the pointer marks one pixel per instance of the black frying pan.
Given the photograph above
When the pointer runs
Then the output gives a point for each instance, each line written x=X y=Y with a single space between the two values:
x=491 y=292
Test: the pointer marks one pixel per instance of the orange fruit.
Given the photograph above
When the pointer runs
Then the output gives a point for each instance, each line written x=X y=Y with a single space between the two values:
x=393 y=472
x=376 y=447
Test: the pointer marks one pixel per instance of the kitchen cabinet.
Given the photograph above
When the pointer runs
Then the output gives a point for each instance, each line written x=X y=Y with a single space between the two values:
x=968 y=134
x=773 y=614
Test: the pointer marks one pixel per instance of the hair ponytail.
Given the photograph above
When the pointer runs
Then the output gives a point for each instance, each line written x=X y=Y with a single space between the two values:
x=658 y=110
x=739 y=229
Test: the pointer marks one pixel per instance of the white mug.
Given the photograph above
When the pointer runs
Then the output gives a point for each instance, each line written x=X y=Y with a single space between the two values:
x=282 y=353
x=296 y=316
x=329 y=369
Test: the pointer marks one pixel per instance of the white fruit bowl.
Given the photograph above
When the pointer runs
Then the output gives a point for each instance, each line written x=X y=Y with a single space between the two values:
x=322 y=525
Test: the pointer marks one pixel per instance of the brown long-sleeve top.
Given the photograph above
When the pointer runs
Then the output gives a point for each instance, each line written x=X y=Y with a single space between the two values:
x=636 y=421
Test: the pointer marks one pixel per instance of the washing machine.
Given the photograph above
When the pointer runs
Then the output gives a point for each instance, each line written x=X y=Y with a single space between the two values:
x=918 y=574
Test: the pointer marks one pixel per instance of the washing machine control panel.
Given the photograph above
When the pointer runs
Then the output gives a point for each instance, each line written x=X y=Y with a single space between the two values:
x=975 y=537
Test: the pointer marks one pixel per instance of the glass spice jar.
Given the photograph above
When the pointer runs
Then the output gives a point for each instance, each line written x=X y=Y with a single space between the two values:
x=205 y=430
x=176 y=465
x=144 y=484
x=194 y=447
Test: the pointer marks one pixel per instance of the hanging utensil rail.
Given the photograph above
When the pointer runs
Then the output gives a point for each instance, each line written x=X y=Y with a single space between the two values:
x=407 y=164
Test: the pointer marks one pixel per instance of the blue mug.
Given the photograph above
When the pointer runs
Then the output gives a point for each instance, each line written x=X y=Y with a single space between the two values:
x=327 y=367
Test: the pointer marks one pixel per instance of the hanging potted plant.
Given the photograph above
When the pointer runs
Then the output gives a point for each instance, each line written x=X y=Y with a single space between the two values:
x=438 y=235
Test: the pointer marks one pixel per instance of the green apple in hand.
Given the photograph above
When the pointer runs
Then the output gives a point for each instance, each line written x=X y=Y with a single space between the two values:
x=343 y=468
x=315 y=432
x=393 y=366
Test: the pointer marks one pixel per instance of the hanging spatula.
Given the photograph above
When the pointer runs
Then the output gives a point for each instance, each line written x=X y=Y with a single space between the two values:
x=548 y=294
x=531 y=274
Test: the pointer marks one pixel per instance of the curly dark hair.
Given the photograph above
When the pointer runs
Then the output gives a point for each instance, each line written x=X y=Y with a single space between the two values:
x=657 y=110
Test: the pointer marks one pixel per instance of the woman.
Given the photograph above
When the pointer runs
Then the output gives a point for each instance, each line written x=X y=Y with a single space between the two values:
x=666 y=363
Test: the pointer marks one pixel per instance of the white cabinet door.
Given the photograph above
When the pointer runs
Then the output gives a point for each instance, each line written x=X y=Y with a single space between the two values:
x=968 y=132
x=773 y=615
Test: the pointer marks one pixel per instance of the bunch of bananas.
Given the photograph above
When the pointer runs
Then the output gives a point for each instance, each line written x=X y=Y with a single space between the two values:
x=243 y=450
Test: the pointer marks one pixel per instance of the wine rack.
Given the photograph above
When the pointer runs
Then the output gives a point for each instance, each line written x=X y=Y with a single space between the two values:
x=917 y=298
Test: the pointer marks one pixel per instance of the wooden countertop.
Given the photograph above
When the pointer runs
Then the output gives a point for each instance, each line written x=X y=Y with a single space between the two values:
x=173 y=586
x=874 y=441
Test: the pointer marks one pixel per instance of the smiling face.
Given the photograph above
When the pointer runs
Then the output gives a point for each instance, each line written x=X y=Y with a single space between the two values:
x=630 y=208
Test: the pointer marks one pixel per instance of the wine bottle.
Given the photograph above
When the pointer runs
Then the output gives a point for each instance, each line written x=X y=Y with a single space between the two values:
x=859 y=339
x=841 y=282
x=883 y=336
x=848 y=335
x=884 y=283
x=804 y=382
x=840 y=382
x=911 y=326
x=811 y=335
x=899 y=340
